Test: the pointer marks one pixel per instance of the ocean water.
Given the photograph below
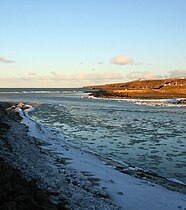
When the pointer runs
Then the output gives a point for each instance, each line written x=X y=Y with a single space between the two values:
x=147 y=134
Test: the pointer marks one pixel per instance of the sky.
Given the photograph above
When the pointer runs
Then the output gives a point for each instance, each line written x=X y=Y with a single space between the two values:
x=74 y=43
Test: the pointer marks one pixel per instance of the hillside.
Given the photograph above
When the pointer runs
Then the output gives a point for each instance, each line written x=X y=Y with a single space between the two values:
x=162 y=88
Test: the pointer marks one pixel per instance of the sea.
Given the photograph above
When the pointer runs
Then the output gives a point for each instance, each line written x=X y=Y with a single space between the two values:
x=146 y=134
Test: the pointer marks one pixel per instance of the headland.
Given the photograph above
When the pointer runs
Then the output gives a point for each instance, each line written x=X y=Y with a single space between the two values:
x=143 y=89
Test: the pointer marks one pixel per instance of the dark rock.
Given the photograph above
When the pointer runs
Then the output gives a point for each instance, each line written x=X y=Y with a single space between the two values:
x=182 y=101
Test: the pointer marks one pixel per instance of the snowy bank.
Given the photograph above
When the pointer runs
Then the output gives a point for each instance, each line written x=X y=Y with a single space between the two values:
x=89 y=182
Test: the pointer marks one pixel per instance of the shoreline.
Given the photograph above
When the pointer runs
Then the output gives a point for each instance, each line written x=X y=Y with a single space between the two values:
x=135 y=94
x=64 y=186
x=17 y=192
x=143 y=89
x=65 y=175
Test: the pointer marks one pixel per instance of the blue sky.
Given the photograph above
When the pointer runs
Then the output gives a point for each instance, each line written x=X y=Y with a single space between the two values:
x=56 y=43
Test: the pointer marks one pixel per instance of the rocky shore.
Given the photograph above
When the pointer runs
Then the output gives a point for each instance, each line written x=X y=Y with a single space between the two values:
x=37 y=179
x=16 y=192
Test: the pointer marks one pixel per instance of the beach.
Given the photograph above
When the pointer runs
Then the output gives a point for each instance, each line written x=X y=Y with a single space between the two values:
x=17 y=192
x=73 y=178
x=21 y=155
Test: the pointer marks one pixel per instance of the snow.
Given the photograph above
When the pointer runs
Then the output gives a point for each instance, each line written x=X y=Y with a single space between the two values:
x=146 y=102
x=124 y=191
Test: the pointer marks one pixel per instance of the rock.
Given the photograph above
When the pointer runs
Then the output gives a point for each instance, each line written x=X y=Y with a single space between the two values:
x=17 y=107
x=182 y=101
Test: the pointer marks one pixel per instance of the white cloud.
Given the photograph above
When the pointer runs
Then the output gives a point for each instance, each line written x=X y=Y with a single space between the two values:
x=55 y=79
x=177 y=73
x=122 y=60
x=81 y=76
x=5 y=60
x=150 y=75
x=142 y=75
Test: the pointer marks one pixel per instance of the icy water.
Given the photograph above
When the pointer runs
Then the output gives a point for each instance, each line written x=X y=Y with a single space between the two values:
x=135 y=132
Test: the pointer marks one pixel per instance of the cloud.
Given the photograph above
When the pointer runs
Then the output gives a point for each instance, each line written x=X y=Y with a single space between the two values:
x=57 y=77
x=122 y=60
x=5 y=60
x=177 y=73
x=97 y=76
x=81 y=76
x=150 y=75
x=53 y=73
x=142 y=75
x=32 y=74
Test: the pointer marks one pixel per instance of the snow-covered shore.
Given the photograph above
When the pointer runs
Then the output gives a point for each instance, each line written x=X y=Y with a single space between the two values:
x=84 y=180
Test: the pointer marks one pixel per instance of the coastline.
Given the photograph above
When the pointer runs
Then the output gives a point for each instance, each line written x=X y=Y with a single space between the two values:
x=17 y=192
x=22 y=152
x=27 y=147
x=143 y=89
x=137 y=94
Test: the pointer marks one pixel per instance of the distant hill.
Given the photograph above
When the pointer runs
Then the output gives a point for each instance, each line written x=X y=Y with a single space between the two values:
x=159 y=88
x=143 y=84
